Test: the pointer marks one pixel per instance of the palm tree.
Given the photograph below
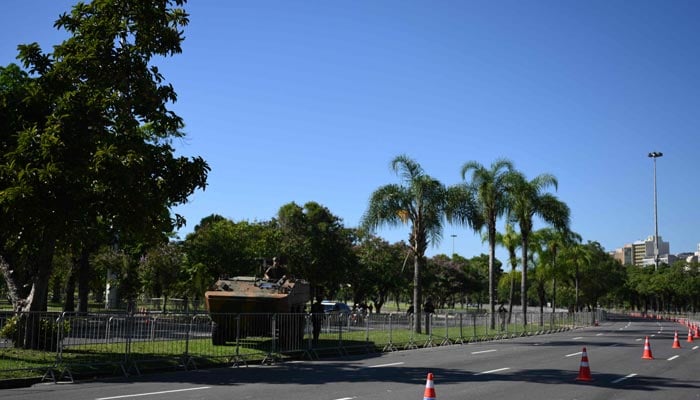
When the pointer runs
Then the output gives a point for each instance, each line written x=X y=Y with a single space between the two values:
x=489 y=187
x=511 y=241
x=420 y=202
x=554 y=241
x=541 y=259
x=529 y=199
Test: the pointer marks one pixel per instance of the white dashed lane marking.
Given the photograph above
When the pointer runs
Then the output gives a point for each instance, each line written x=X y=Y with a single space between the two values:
x=623 y=378
x=492 y=371
x=385 y=365
x=483 y=351
x=126 y=396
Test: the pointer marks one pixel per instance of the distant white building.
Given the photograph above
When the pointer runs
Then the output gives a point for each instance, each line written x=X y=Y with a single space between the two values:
x=641 y=252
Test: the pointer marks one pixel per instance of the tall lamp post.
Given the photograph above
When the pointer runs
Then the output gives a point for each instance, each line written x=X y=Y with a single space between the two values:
x=453 y=244
x=654 y=155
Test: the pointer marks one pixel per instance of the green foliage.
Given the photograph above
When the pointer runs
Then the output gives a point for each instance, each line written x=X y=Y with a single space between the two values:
x=15 y=330
x=420 y=201
x=504 y=286
x=670 y=288
x=489 y=189
x=161 y=269
x=123 y=271
x=87 y=153
x=315 y=244
x=528 y=199
x=219 y=246
x=380 y=269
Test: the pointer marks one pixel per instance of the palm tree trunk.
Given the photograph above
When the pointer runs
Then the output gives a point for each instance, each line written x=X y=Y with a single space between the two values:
x=512 y=292
x=576 y=295
x=492 y=260
x=554 y=279
x=417 y=303
x=523 y=281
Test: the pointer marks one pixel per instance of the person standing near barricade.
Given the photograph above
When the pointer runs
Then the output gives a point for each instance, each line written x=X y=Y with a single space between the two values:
x=429 y=309
x=502 y=315
x=317 y=314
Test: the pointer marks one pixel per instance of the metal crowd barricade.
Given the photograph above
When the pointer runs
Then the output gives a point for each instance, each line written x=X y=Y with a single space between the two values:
x=128 y=343
x=46 y=339
x=92 y=340
x=161 y=339
x=290 y=331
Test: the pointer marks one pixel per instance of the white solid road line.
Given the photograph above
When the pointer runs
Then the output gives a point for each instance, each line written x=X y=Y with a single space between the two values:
x=573 y=354
x=577 y=338
x=673 y=358
x=600 y=334
x=153 y=393
x=696 y=347
x=385 y=365
x=623 y=378
x=484 y=351
x=492 y=371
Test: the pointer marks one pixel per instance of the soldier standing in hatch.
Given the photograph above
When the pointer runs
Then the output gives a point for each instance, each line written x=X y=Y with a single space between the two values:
x=276 y=271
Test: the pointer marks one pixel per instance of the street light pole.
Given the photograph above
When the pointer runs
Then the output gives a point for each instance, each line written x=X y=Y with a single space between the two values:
x=453 y=244
x=654 y=155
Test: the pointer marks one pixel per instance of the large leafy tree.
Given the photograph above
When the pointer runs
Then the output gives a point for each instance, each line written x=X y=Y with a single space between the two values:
x=479 y=267
x=89 y=145
x=449 y=280
x=419 y=201
x=528 y=200
x=161 y=268
x=489 y=187
x=219 y=246
x=315 y=244
x=601 y=276
x=576 y=258
x=380 y=269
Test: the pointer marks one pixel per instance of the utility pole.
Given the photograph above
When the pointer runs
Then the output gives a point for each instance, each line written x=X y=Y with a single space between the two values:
x=654 y=155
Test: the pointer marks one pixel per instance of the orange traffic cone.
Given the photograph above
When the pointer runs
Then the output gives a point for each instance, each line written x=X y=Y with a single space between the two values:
x=429 y=393
x=690 y=336
x=584 y=371
x=676 y=343
x=697 y=332
x=647 y=350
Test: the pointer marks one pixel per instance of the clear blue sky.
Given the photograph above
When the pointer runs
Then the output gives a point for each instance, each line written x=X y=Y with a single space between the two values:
x=310 y=100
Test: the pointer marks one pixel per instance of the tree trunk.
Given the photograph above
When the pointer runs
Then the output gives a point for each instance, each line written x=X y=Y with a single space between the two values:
x=12 y=289
x=512 y=293
x=576 y=291
x=69 y=304
x=492 y=260
x=35 y=300
x=541 y=295
x=523 y=281
x=417 y=300
x=83 y=280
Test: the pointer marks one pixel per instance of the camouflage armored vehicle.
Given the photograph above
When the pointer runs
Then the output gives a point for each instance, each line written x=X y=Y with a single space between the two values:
x=243 y=306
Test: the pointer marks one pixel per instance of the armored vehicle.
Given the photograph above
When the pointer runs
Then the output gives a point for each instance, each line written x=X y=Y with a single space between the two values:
x=244 y=306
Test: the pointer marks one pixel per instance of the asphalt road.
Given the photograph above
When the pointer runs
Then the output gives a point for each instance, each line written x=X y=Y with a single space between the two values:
x=538 y=367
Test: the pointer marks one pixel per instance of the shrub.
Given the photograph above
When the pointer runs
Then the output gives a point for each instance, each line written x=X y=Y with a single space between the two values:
x=45 y=338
